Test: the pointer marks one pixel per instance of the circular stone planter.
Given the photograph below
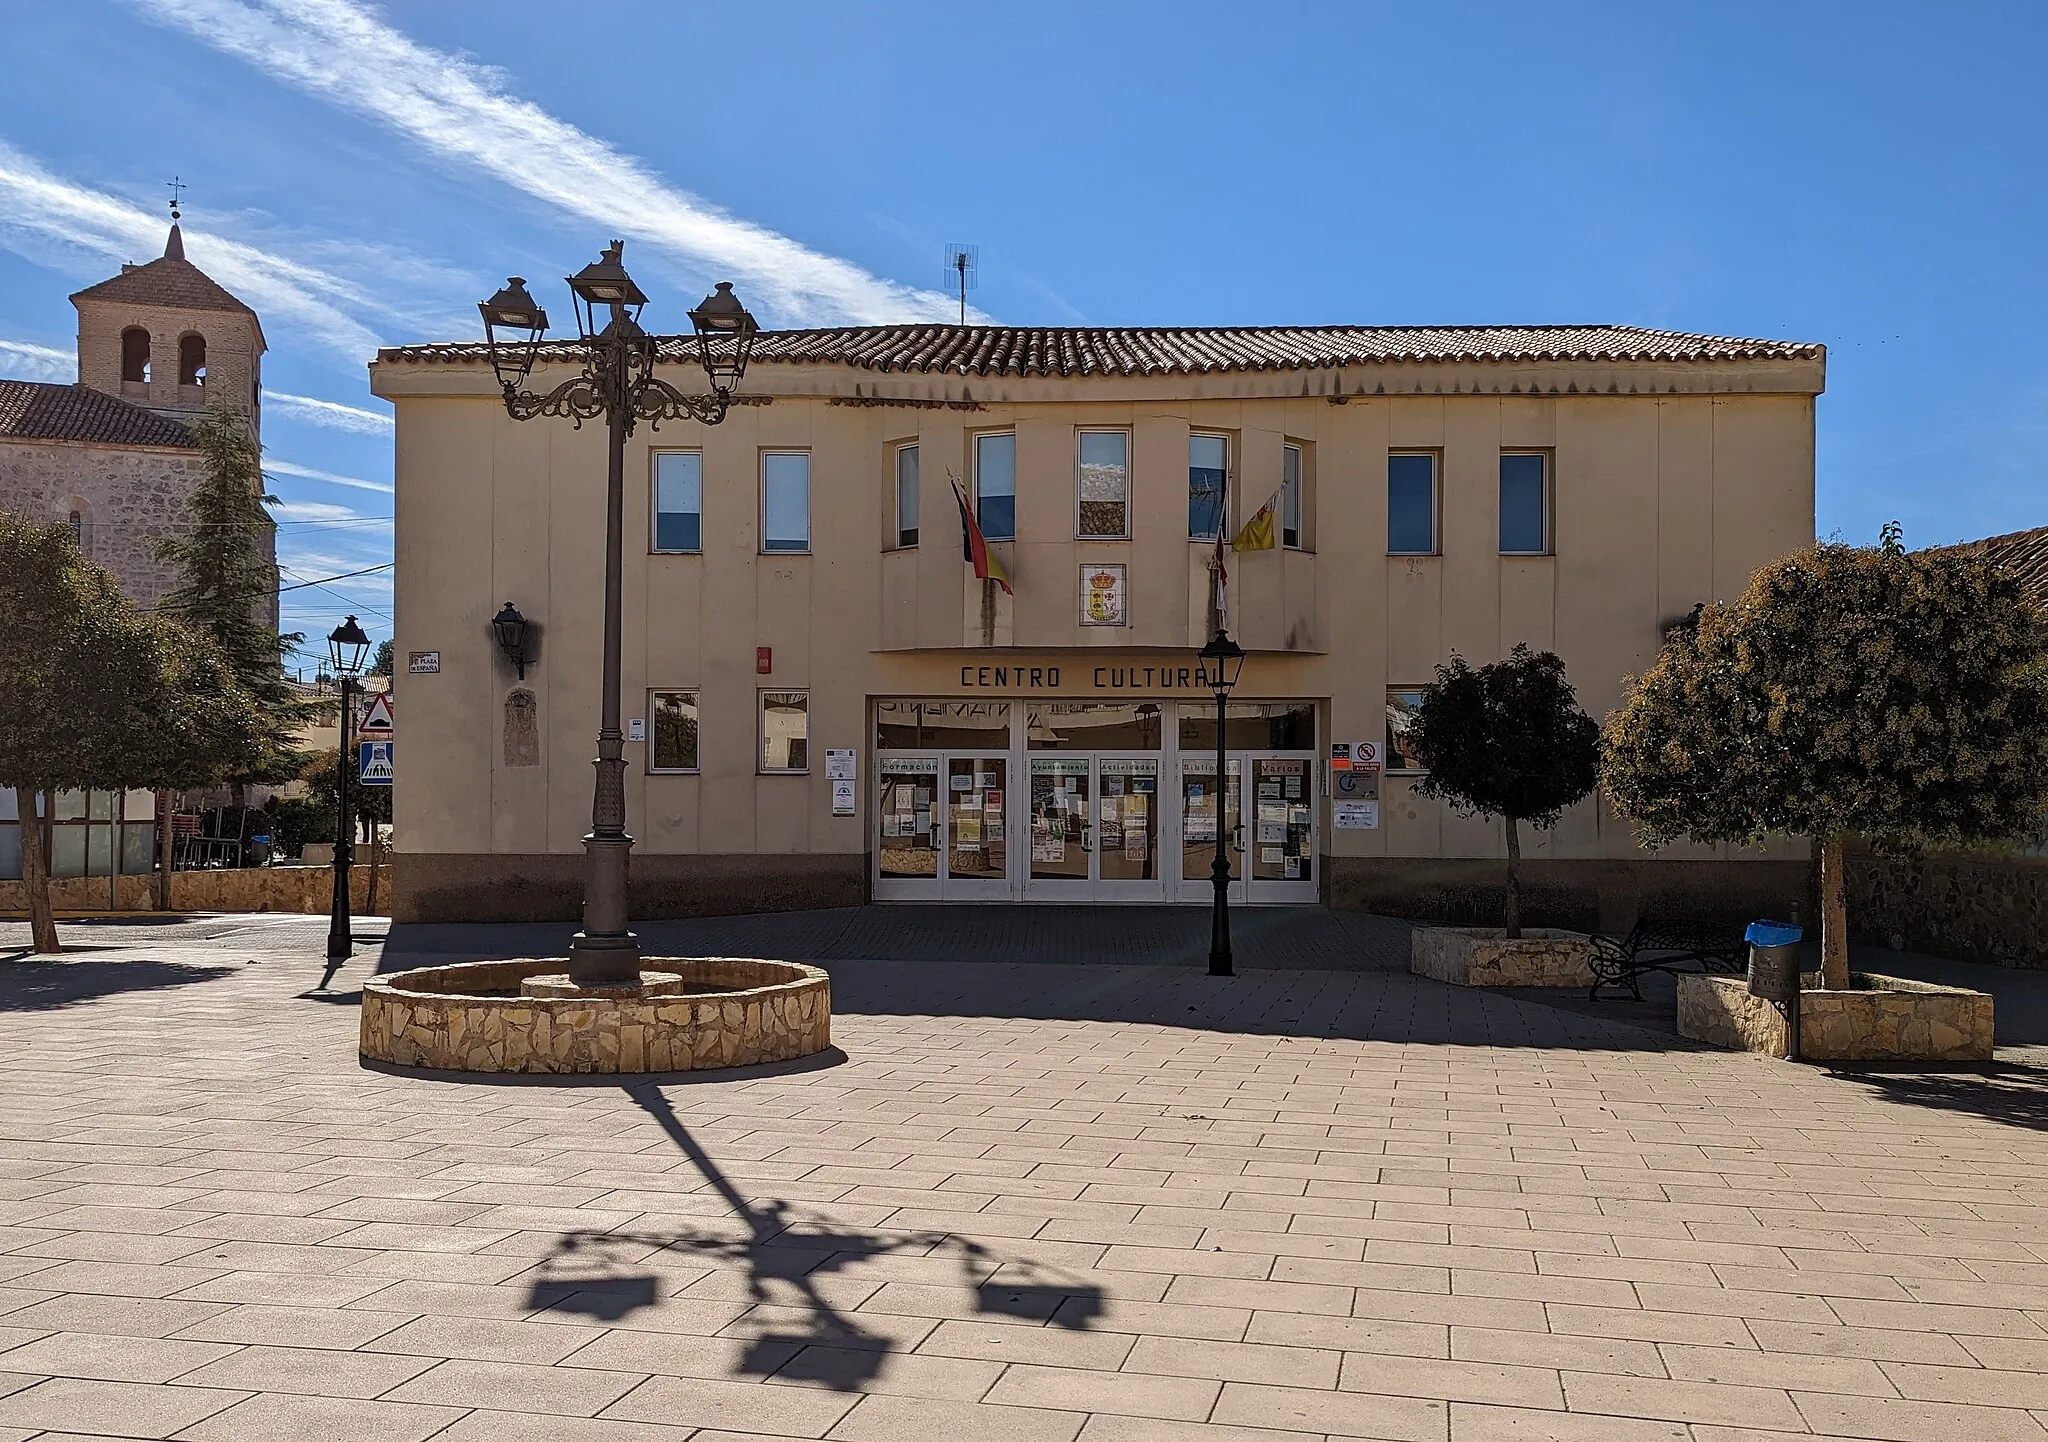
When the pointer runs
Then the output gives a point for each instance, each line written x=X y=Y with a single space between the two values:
x=701 y=1012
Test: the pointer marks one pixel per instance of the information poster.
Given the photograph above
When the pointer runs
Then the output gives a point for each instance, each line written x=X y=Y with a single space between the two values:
x=842 y=797
x=1355 y=815
x=839 y=765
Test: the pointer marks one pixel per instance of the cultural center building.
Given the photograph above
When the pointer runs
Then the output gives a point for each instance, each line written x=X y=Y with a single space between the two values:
x=829 y=707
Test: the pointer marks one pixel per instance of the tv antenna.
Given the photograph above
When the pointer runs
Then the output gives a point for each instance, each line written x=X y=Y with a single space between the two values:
x=963 y=271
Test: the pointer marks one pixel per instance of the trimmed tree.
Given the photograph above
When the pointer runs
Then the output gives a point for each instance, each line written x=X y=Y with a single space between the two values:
x=1507 y=740
x=99 y=696
x=1900 y=697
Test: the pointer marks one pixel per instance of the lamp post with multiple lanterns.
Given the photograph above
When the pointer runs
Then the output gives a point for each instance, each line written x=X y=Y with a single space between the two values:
x=617 y=382
x=1222 y=663
x=346 y=647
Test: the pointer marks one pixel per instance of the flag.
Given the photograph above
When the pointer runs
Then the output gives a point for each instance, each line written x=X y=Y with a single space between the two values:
x=1219 y=572
x=974 y=547
x=1257 y=534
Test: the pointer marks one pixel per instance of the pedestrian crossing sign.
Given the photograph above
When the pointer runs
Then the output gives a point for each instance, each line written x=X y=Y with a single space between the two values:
x=373 y=763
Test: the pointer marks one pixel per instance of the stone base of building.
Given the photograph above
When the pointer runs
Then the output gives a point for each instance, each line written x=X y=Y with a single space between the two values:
x=1485 y=956
x=1973 y=906
x=490 y=887
x=1606 y=896
x=1881 y=1020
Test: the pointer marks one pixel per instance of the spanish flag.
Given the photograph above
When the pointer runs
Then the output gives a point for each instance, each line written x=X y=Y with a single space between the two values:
x=974 y=546
x=1257 y=534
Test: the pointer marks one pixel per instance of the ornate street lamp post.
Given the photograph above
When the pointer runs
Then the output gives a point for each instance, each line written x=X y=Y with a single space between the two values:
x=346 y=647
x=1222 y=663
x=617 y=382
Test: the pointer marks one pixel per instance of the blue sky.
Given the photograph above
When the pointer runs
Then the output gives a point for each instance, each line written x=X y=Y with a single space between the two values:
x=1868 y=175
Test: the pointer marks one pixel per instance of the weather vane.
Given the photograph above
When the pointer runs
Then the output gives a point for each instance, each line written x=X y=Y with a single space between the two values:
x=177 y=188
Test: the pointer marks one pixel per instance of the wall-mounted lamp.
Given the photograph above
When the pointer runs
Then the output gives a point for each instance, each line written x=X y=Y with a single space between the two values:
x=511 y=629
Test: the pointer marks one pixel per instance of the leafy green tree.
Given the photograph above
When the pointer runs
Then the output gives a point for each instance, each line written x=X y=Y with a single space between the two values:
x=1507 y=740
x=1851 y=691
x=228 y=581
x=99 y=695
x=387 y=658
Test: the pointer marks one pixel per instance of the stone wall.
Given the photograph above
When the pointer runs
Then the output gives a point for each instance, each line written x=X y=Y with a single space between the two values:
x=128 y=497
x=471 y=1018
x=1970 y=906
x=306 y=889
x=498 y=887
x=1884 y=1019
x=1607 y=896
x=1473 y=956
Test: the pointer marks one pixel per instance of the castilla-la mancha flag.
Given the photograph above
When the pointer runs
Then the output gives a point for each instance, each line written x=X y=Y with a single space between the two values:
x=974 y=547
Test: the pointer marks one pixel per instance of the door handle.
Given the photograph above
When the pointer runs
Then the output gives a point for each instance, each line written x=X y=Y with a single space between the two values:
x=1088 y=836
x=1237 y=838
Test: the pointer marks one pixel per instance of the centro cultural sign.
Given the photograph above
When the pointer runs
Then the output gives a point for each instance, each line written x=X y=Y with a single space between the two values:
x=1161 y=677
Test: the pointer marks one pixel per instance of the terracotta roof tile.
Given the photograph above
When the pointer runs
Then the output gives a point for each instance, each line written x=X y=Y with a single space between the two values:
x=39 y=411
x=2024 y=553
x=166 y=281
x=1139 y=351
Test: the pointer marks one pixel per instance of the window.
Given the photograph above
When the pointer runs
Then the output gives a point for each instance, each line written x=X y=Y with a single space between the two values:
x=995 y=486
x=135 y=354
x=1411 y=505
x=1524 y=504
x=1403 y=705
x=1290 y=496
x=1102 y=485
x=785 y=731
x=786 y=501
x=192 y=360
x=673 y=744
x=906 y=495
x=1208 y=465
x=78 y=529
x=678 y=500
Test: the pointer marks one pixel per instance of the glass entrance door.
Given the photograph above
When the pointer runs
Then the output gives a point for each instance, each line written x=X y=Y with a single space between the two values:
x=1198 y=825
x=943 y=824
x=1095 y=829
x=1280 y=855
x=1062 y=828
x=1127 y=829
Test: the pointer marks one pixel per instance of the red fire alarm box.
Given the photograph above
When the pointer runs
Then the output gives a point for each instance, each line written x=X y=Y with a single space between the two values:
x=764 y=660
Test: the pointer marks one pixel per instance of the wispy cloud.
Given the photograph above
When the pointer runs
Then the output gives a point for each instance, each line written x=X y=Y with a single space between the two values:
x=52 y=220
x=464 y=111
x=23 y=360
x=333 y=415
x=307 y=473
x=323 y=513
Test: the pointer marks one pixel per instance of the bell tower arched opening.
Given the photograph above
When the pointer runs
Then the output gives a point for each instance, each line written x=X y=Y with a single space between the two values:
x=135 y=356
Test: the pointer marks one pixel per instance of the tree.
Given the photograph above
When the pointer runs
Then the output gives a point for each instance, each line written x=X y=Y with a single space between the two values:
x=1851 y=691
x=99 y=695
x=387 y=658
x=1508 y=740
x=227 y=581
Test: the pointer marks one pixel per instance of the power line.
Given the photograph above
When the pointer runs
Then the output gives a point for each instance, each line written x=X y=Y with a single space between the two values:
x=280 y=590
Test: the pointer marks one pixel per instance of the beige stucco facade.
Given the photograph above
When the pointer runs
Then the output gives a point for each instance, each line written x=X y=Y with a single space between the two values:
x=1669 y=482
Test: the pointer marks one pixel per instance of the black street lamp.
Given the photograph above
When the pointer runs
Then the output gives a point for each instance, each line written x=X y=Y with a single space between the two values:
x=346 y=647
x=511 y=629
x=617 y=382
x=1222 y=663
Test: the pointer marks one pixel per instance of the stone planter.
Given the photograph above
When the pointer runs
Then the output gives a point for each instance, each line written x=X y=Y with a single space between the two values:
x=1483 y=956
x=1880 y=1019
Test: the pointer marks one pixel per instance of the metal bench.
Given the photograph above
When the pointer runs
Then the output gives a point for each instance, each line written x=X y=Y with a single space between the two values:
x=1671 y=946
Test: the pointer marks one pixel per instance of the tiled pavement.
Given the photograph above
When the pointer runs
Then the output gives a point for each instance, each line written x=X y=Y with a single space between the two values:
x=1117 y=1203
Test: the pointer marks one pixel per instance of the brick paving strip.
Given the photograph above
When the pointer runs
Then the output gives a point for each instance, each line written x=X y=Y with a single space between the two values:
x=1117 y=1203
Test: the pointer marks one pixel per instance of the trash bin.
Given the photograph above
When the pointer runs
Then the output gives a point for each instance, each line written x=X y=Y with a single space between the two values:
x=1773 y=960
x=259 y=850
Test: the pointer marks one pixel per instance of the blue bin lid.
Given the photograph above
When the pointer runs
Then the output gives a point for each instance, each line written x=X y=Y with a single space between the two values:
x=1772 y=933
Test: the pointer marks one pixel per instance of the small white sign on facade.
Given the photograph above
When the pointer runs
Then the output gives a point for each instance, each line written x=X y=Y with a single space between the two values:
x=840 y=764
x=1356 y=815
x=423 y=663
x=842 y=796
x=636 y=729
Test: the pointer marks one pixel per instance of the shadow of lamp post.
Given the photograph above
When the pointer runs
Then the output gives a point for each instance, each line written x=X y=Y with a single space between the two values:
x=346 y=647
x=615 y=381
x=1222 y=663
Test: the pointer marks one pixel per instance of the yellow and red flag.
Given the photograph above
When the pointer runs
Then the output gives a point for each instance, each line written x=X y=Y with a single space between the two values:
x=974 y=546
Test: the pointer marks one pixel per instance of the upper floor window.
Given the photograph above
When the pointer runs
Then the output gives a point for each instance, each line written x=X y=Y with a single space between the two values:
x=906 y=495
x=1208 y=466
x=1524 y=503
x=1102 y=485
x=1290 y=495
x=1411 y=504
x=678 y=500
x=995 y=485
x=135 y=354
x=192 y=360
x=785 y=501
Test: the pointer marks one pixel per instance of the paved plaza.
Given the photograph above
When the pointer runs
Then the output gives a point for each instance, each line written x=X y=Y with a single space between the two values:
x=1118 y=1201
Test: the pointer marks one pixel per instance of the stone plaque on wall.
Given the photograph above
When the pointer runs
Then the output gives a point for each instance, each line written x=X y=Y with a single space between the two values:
x=522 y=729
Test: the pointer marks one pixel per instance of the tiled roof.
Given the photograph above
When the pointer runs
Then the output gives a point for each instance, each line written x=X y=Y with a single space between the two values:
x=39 y=411
x=2025 y=554
x=1047 y=351
x=167 y=281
